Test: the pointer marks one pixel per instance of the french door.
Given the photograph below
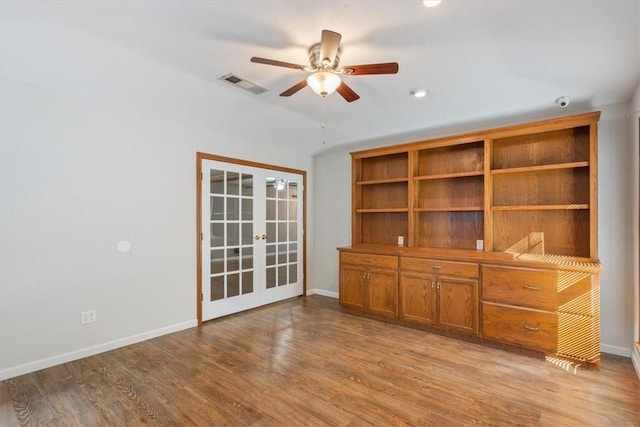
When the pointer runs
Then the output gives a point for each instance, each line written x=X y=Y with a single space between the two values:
x=252 y=237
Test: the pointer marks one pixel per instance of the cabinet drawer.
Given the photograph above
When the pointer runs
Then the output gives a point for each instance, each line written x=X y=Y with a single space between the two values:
x=520 y=286
x=371 y=260
x=434 y=266
x=528 y=328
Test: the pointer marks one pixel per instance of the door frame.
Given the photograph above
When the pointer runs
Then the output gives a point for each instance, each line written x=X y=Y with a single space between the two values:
x=205 y=156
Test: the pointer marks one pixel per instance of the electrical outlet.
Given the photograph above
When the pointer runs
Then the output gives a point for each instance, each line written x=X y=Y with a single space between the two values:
x=88 y=317
x=479 y=245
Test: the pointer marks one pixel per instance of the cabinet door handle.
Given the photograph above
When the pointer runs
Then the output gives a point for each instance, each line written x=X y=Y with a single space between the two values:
x=531 y=328
x=438 y=286
x=531 y=287
x=433 y=285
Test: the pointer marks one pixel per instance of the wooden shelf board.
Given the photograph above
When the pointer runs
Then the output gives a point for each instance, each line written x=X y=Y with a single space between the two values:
x=382 y=181
x=385 y=210
x=542 y=167
x=449 y=175
x=541 y=207
x=451 y=209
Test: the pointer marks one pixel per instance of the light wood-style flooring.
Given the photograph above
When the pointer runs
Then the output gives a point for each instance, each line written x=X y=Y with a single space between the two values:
x=305 y=362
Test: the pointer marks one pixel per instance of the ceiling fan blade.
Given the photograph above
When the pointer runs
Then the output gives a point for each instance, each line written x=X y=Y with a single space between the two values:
x=329 y=44
x=259 y=60
x=347 y=93
x=293 y=89
x=383 y=68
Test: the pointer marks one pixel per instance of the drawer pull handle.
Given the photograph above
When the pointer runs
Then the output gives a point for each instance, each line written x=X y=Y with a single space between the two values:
x=436 y=267
x=531 y=288
x=531 y=328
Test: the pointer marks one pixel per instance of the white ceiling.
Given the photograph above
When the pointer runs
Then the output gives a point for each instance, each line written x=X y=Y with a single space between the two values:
x=479 y=60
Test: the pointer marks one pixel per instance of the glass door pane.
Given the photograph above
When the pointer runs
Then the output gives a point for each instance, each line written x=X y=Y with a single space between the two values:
x=282 y=231
x=231 y=234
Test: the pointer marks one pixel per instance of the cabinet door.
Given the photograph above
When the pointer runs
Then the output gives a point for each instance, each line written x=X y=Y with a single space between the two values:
x=383 y=292
x=418 y=298
x=353 y=290
x=458 y=304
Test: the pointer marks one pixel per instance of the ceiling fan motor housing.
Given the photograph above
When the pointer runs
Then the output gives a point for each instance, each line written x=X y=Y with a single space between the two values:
x=317 y=62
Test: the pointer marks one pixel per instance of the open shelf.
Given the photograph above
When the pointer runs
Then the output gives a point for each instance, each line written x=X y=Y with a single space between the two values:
x=566 y=186
x=451 y=159
x=449 y=230
x=392 y=195
x=542 y=148
x=382 y=227
x=458 y=193
x=496 y=185
x=562 y=232
x=383 y=168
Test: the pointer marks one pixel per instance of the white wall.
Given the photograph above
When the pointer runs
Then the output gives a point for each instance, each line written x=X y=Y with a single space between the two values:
x=635 y=137
x=616 y=169
x=77 y=177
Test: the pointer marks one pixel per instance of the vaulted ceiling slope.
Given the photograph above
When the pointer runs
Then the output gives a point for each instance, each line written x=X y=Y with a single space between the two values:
x=478 y=60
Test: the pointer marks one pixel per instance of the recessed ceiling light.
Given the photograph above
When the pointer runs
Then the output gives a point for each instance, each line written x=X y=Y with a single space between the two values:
x=431 y=3
x=419 y=93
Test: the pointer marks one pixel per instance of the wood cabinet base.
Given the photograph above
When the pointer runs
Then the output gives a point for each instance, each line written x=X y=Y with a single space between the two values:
x=535 y=308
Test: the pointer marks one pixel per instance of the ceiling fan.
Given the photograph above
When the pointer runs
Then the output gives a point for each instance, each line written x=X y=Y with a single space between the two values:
x=324 y=58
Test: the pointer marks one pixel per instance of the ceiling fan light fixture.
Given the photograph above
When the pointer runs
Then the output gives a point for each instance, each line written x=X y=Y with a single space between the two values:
x=431 y=3
x=324 y=82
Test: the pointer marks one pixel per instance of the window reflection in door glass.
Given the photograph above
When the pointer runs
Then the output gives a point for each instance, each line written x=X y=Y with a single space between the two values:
x=217 y=235
x=271 y=277
x=247 y=185
x=247 y=258
x=233 y=234
x=282 y=232
x=217 y=208
x=216 y=178
x=293 y=210
x=217 y=261
x=233 y=209
x=293 y=273
x=247 y=233
x=271 y=210
x=247 y=282
x=282 y=210
x=282 y=275
x=247 y=209
x=217 y=288
x=233 y=285
x=271 y=186
x=233 y=183
x=282 y=254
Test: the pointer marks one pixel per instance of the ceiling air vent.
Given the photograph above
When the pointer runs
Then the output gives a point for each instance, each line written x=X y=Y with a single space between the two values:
x=244 y=84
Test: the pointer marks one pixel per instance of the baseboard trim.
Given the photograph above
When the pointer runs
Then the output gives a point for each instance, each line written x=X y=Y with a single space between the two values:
x=614 y=349
x=322 y=292
x=93 y=350
x=635 y=358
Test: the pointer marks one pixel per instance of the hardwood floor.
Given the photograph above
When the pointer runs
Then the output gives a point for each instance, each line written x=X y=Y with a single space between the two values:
x=304 y=362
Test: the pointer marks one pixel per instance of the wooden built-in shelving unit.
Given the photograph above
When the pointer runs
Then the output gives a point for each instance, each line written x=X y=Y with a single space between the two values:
x=528 y=192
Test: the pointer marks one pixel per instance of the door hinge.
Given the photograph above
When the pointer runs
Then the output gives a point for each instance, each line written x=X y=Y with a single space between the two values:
x=201 y=236
x=201 y=297
x=201 y=176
